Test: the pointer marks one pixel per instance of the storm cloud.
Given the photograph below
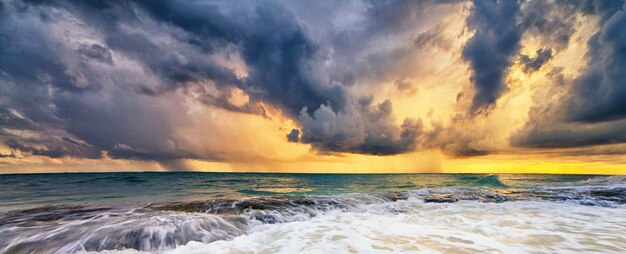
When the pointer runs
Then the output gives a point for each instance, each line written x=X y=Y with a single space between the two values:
x=97 y=52
x=120 y=80
x=589 y=112
x=491 y=49
x=360 y=128
x=101 y=87
x=499 y=27
x=598 y=94
x=532 y=64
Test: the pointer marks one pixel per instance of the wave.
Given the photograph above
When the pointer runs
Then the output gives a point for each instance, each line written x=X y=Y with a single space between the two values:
x=530 y=227
x=483 y=181
x=230 y=223
x=606 y=181
x=281 y=192
x=123 y=178
x=413 y=226
x=167 y=226
x=76 y=228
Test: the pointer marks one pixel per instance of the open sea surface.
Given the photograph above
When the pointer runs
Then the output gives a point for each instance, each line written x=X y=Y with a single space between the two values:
x=311 y=213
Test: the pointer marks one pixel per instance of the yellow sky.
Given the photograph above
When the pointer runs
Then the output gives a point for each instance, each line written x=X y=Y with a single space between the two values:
x=262 y=148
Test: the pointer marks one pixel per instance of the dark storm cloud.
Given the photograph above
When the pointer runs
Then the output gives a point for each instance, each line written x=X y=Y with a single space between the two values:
x=96 y=52
x=360 y=54
x=284 y=64
x=361 y=128
x=591 y=111
x=11 y=120
x=552 y=22
x=491 y=49
x=26 y=59
x=284 y=67
x=76 y=107
x=55 y=148
x=498 y=29
x=276 y=49
x=83 y=84
x=539 y=135
x=132 y=122
x=532 y=64
x=355 y=34
x=104 y=78
x=598 y=94
x=293 y=136
x=605 y=9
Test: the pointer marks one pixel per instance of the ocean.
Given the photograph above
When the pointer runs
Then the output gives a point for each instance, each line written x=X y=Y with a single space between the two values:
x=183 y=212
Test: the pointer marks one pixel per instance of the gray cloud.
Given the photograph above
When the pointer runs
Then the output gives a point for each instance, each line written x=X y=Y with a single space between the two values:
x=70 y=105
x=106 y=82
x=97 y=78
x=539 y=135
x=532 y=64
x=598 y=94
x=294 y=135
x=548 y=128
x=552 y=22
x=590 y=112
x=459 y=138
x=55 y=148
x=96 y=52
x=433 y=38
x=498 y=29
x=360 y=128
x=491 y=49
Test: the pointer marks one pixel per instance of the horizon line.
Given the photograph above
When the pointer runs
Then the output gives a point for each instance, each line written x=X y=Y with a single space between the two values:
x=313 y=173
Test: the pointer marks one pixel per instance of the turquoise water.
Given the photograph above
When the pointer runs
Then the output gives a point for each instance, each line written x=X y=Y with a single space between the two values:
x=32 y=190
x=319 y=213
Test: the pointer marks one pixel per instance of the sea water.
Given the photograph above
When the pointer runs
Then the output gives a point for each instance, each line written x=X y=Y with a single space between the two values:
x=311 y=213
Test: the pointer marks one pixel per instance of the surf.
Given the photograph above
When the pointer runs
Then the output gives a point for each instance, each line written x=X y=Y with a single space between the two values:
x=321 y=218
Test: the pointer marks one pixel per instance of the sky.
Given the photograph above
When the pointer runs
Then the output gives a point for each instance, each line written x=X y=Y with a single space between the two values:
x=313 y=86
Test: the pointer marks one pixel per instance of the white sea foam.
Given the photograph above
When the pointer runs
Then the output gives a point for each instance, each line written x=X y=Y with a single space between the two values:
x=411 y=226
x=607 y=183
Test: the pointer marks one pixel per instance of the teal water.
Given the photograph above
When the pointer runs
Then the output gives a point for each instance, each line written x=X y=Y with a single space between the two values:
x=183 y=212
x=31 y=190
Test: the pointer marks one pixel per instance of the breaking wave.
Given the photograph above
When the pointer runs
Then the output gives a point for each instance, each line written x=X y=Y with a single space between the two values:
x=234 y=224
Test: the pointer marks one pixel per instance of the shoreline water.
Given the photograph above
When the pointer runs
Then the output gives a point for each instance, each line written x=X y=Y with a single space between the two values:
x=200 y=213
